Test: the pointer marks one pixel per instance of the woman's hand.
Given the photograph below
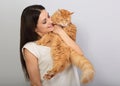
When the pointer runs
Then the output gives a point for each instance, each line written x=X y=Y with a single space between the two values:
x=58 y=30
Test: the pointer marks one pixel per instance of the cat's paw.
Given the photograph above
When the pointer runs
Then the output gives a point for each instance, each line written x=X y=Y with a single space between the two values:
x=49 y=75
x=87 y=76
x=38 y=42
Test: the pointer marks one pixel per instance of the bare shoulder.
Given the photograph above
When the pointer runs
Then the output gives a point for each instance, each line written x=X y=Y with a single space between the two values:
x=28 y=56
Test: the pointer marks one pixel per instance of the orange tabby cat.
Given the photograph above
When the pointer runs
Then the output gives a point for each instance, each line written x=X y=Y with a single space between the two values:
x=62 y=54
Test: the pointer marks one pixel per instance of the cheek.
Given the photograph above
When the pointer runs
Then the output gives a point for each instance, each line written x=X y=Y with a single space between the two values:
x=42 y=28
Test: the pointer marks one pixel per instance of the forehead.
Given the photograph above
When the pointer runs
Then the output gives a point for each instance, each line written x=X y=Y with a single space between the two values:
x=43 y=15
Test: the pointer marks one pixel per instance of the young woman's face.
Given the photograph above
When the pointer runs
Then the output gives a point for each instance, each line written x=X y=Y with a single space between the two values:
x=44 y=23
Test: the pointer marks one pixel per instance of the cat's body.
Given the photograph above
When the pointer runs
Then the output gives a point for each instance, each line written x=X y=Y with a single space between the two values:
x=62 y=54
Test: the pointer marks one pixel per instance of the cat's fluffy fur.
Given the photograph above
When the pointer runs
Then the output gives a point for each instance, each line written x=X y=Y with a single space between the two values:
x=62 y=54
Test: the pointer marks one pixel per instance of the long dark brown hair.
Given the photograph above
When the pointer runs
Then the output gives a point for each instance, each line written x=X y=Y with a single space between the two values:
x=29 y=20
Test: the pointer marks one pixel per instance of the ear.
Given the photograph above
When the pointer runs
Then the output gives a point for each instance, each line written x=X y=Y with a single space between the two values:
x=36 y=30
x=71 y=13
x=59 y=11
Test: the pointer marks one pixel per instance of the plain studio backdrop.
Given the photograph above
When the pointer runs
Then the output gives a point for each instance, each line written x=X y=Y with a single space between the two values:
x=98 y=35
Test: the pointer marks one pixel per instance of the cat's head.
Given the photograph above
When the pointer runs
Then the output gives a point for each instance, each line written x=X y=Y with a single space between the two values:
x=62 y=17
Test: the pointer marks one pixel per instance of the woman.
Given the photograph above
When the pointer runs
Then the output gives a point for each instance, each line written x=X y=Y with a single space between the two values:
x=36 y=59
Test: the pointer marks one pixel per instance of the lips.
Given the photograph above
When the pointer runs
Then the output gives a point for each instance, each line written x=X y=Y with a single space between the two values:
x=50 y=26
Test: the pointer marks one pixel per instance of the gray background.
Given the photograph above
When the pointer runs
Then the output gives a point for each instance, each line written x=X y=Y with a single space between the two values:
x=98 y=25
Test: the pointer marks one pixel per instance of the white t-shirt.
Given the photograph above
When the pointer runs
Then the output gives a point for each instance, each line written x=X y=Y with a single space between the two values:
x=68 y=77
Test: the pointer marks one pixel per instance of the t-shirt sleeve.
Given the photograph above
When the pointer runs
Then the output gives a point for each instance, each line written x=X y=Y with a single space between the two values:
x=31 y=48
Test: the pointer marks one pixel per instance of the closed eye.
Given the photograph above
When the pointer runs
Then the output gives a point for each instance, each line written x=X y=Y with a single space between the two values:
x=44 y=21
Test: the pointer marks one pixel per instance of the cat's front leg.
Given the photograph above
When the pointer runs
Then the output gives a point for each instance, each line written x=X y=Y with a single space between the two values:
x=61 y=61
x=51 y=73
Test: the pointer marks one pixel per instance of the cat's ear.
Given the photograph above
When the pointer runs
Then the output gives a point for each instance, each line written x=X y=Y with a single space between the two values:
x=71 y=13
x=59 y=11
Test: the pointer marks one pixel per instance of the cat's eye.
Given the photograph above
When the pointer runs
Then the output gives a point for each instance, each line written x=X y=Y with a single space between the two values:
x=68 y=19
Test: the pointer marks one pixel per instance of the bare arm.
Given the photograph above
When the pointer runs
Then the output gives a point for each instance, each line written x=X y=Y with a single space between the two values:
x=67 y=39
x=32 y=67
